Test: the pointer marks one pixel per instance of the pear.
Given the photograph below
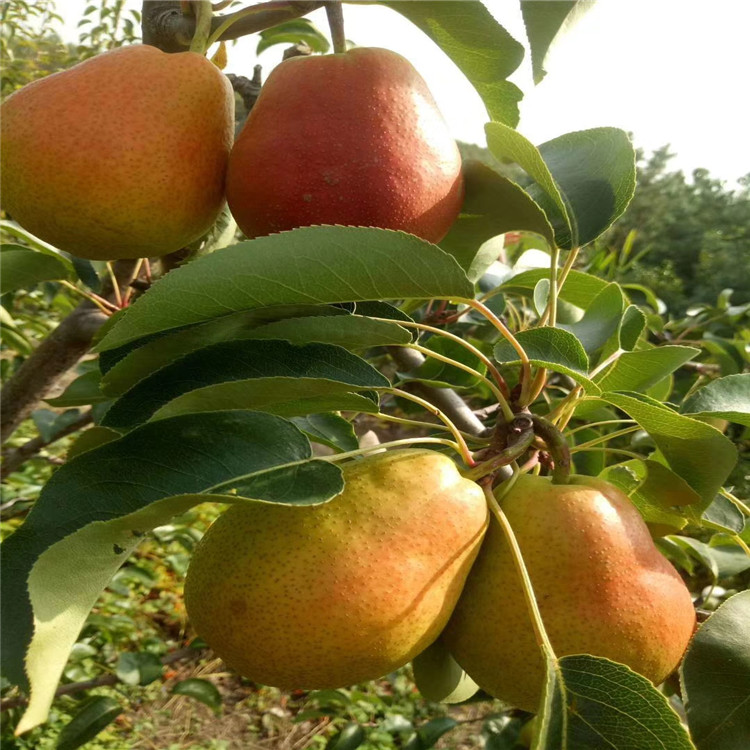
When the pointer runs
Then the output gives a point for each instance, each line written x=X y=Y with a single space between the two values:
x=353 y=138
x=336 y=594
x=121 y=156
x=602 y=588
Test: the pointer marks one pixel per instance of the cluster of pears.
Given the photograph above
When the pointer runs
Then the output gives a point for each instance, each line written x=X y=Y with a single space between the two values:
x=332 y=595
x=130 y=154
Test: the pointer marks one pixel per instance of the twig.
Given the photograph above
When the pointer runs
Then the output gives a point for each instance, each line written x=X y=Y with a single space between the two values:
x=13 y=458
x=165 y=26
x=103 y=680
x=60 y=351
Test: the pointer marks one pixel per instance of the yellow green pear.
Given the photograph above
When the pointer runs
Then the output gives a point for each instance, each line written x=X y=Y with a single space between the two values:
x=121 y=156
x=602 y=588
x=336 y=594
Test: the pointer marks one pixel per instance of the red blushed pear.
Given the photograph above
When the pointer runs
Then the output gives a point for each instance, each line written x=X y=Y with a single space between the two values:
x=121 y=156
x=353 y=138
x=602 y=588
x=332 y=595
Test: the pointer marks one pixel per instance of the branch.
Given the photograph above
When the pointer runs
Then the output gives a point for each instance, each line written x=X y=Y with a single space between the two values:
x=13 y=458
x=107 y=679
x=60 y=351
x=165 y=26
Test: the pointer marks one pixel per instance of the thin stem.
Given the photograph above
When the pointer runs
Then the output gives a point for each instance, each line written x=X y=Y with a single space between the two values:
x=104 y=305
x=464 y=448
x=461 y=366
x=392 y=444
x=505 y=457
x=557 y=447
x=608 y=436
x=335 y=15
x=540 y=633
x=599 y=424
x=733 y=498
x=478 y=353
x=608 y=450
x=115 y=287
x=426 y=425
x=525 y=363
x=228 y=22
x=551 y=311
x=740 y=542
x=203 y=15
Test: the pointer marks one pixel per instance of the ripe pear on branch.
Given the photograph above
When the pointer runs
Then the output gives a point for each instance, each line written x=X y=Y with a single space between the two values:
x=332 y=595
x=601 y=585
x=122 y=156
x=351 y=138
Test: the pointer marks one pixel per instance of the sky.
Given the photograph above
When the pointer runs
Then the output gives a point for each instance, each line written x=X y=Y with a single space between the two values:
x=669 y=71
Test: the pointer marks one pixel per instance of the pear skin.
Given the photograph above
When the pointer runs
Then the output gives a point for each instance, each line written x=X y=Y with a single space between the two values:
x=353 y=138
x=336 y=594
x=121 y=156
x=602 y=588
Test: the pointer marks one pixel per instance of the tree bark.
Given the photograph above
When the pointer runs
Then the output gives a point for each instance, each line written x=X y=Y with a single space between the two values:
x=165 y=26
x=60 y=351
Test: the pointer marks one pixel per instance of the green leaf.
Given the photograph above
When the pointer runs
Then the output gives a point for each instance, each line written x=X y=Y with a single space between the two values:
x=728 y=398
x=552 y=348
x=723 y=514
x=98 y=506
x=699 y=454
x=50 y=424
x=609 y=705
x=321 y=481
x=328 y=429
x=93 y=715
x=434 y=729
x=348 y=331
x=481 y=48
x=507 y=144
x=716 y=678
x=23 y=268
x=724 y=561
x=492 y=206
x=580 y=289
x=201 y=690
x=312 y=265
x=655 y=490
x=125 y=366
x=551 y=729
x=439 y=677
x=297 y=31
x=269 y=372
x=139 y=668
x=640 y=370
x=601 y=319
x=82 y=391
x=544 y=20
x=595 y=173
x=631 y=327
x=91 y=438
x=349 y=738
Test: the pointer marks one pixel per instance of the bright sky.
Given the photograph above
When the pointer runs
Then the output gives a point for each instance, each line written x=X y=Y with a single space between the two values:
x=670 y=71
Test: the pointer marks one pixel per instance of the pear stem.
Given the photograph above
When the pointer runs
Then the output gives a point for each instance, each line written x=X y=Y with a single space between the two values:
x=203 y=13
x=540 y=633
x=556 y=446
x=335 y=15
x=729 y=496
x=523 y=434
